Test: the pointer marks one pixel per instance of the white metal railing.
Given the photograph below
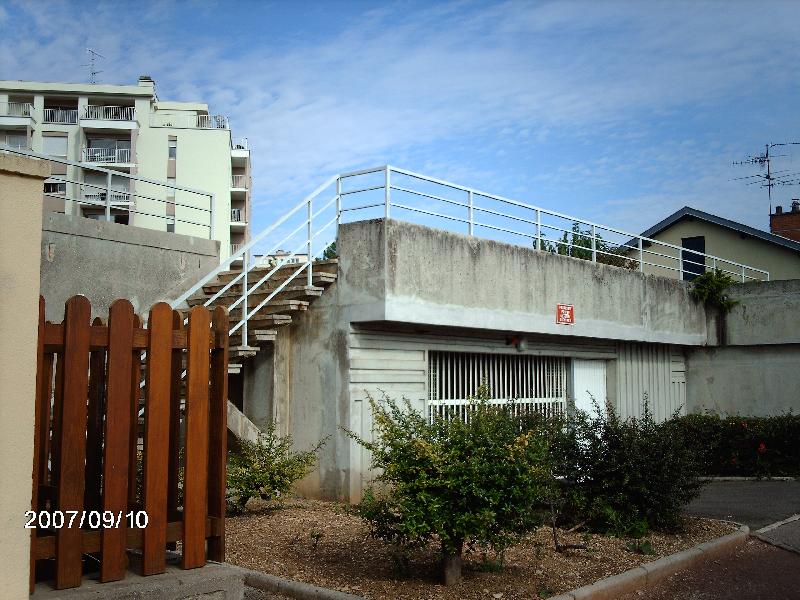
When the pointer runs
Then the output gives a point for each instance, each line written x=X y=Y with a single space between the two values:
x=109 y=113
x=189 y=121
x=196 y=215
x=16 y=109
x=235 y=248
x=62 y=116
x=386 y=191
x=106 y=155
x=236 y=215
x=239 y=143
x=238 y=181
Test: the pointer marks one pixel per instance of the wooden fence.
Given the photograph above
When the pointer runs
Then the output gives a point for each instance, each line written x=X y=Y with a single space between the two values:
x=109 y=451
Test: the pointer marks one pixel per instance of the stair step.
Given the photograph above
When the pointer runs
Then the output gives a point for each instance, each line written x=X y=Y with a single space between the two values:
x=282 y=307
x=262 y=321
x=234 y=368
x=320 y=279
x=242 y=351
x=258 y=336
x=322 y=266
x=296 y=292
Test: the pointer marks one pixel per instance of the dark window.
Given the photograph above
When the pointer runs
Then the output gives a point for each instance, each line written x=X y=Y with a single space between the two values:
x=692 y=257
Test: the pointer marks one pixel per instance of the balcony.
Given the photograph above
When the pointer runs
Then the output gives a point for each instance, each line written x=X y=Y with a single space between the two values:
x=16 y=114
x=239 y=182
x=104 y=118
x=240 y=153
x=189 y=121
x=238 y=219
x=107 y=156
x=61 y=116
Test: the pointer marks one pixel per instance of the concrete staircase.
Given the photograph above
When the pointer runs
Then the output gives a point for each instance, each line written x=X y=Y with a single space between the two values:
x=263 y=325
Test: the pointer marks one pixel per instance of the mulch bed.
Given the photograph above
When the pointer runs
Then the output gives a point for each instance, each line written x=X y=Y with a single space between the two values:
x=322 y=544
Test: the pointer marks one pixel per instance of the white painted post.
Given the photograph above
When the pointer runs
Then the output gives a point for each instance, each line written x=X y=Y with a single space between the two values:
x=641 y=255
x=470 y=202
x=212 y=227
x=594 y=244
x=309 y=274
x=742 y=273
x=108 y=196
x=538 y=229
x=245 y=294
x=387 y=193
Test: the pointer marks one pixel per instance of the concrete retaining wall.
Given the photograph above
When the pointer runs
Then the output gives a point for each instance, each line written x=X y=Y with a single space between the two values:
x=105 y=261
x=757 y=372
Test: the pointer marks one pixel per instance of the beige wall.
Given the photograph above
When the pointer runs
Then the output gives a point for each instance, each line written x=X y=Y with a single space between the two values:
x=20 y=235
x=781 y=263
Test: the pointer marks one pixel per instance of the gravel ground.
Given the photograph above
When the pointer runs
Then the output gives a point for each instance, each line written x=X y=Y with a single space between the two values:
x=320 y=543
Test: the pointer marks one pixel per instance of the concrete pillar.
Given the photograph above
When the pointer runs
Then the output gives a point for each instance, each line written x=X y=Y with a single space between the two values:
x=20 y=251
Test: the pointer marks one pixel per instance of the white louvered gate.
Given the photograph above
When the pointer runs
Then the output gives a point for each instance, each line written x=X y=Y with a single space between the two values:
x=531 y=383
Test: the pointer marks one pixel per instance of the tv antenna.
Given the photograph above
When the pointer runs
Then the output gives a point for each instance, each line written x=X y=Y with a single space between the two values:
x=771 y=178
x=92 y=64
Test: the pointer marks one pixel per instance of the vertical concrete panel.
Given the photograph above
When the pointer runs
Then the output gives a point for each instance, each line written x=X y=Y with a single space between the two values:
x=20 y=237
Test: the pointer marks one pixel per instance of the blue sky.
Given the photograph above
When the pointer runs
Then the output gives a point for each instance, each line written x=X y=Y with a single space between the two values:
x=619 y=112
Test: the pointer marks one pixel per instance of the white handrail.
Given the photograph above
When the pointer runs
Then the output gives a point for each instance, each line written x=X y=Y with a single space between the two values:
x=109 y=113
x=307 y=222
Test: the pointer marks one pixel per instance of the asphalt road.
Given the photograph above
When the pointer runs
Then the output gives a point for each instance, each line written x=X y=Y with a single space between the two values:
x=753 y=503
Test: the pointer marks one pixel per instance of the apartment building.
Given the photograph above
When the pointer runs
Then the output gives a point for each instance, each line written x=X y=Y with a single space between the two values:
x=189 y=175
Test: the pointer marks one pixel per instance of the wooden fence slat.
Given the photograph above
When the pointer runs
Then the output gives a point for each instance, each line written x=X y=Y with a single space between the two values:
x=94 y=426
x=58 y=403
x=158 y=380
x=218 y=434
x=73 y=438
x=195 y=488
x=43 y=420
x=121 y=321
x=38 y=434
x=133 y=440
x=176 y=393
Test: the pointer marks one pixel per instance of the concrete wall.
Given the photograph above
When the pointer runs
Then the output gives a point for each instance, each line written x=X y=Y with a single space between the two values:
x=758 y=371
x=104 y=261
x=316 y=379
x=781 y=263
x=490 y=285
x=20 y=231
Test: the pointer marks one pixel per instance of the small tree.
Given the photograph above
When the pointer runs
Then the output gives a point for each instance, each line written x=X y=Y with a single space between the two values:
x=266 y=469
x=330 y=251
x=474 y=481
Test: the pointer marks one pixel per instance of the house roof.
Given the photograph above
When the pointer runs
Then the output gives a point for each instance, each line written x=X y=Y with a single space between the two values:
x=689 y=212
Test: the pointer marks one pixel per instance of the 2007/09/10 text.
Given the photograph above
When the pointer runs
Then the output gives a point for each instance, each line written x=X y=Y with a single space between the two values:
x=94 y=519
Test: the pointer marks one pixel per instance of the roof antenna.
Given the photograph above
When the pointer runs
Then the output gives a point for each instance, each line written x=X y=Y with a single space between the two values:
x=93 y=72
x=771 y=178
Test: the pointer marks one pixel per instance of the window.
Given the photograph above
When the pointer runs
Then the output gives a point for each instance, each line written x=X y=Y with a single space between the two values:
x=535 y=383
x=55 y=145
x=692 y=259
x=15 y=140
x=173 y=149
x=171 y=227
x=55 y=188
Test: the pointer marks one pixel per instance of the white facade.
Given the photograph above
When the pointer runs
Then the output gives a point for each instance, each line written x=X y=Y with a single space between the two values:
x=129 y=130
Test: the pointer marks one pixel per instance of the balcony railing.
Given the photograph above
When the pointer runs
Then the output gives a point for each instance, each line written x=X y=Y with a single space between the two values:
x=239 y=143
x=236 y=215
x=189 y=121
x=235 y=248
x=116 y=197
x=110 y=113
x=107 y=155
x=16 y=109
x=62 y=116
x=238 y=181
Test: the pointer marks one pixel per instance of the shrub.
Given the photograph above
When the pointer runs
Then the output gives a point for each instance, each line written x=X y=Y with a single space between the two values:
x=744 y=446
x=266 y=469
x=711 y=288
x=625 y=476
x=481 y=482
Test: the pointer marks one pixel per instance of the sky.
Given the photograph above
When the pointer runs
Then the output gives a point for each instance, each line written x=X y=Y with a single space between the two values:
x=616 y=112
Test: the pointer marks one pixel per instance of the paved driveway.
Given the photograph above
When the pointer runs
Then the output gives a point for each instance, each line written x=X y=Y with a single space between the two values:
x=754 y=503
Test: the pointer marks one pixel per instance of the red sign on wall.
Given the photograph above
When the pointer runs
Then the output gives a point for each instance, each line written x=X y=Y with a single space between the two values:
x=565 y=314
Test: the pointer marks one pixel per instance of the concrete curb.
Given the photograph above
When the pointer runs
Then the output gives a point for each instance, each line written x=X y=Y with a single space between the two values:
x=291 y=588
x=651 y=573
x=759 y=534
x=731 y=478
